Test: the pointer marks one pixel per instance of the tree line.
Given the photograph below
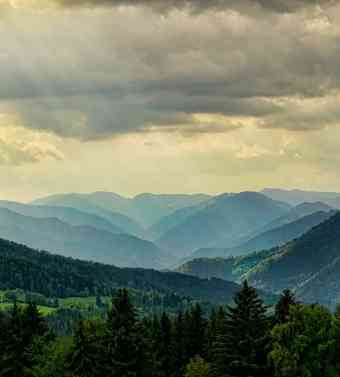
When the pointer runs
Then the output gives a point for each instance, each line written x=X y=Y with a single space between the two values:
x=244 y=339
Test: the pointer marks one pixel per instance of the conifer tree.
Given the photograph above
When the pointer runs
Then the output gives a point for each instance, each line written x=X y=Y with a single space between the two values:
x=336 y=339
x=197 y=332
x=246 y=335
x=25 y=327
x=218 y=344
x=84 y=358
x=282 y=307
x=13 y=361
x=123 y=343
x=164 y=347
x=179 y=345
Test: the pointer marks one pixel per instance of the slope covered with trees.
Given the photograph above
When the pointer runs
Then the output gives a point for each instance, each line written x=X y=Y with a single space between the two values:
x=232 y=268
x=57 y=276
x=299 y=262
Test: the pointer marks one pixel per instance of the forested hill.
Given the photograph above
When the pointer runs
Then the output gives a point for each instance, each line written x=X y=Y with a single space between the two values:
x=57 y=276
x=303 y=262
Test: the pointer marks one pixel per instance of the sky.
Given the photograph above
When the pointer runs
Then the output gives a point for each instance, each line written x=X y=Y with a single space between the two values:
x=168 y=96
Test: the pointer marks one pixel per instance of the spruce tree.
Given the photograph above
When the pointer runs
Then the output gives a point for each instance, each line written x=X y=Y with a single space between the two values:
x=123 y=342
x=179 y=345
x=25 y=329
x=197 y=332
x=164 y=347
x=246 y=335
x=282 y=307
x=218 y=344
x=13 y=361
x=336 y=339
x=84 y=358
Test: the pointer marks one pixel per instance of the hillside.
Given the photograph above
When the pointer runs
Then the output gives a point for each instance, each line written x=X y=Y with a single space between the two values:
x=300 y=260
x=83 y=242
x=323 y=287
x=296 y=213
x=166 y=223
x=231 y=269
x=281 y=235
x=225 y=219
x=268 y=239
x=57 y=276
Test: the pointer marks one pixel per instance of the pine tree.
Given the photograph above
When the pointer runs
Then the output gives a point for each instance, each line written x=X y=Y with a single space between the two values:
x=84 y=358
x=179 y=345
x=336 y=339
x=123 y=343
x=25 y=328
x=218 y=344
x=246 y=338
x=283 y=306
x=164 y=347
x=13 y=347
x=197 y=332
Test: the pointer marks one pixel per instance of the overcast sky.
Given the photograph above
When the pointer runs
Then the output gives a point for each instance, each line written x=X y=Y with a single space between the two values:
x=168 y=95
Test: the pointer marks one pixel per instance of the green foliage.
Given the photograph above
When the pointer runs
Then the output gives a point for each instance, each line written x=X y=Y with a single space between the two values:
x=197 y=367
x=239 y=341
x=282 y=308
x=303 y=346
x=56 y=276
x=84 y=359
x=241 y=345
x=123 y=342
x=21 y=334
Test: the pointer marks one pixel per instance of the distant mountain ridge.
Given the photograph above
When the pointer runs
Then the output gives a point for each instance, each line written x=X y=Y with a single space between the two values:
x=224 y=219
x=308 y=265
x=83 y=242
x=80 y=202
x=221 y=262
x=283 y=234
x=304 y=263
x=68 y=215
x=295 y=197
x=292 y=224
x=298 y=212
x=146 y=209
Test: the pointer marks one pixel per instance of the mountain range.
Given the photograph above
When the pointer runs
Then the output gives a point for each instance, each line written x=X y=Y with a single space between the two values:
x=80 y=241
x=268 y=239
x=145 y=209
x=295 y=197
x=277 y=240
x=308 y=265
x=298 y=261
x=224 y=219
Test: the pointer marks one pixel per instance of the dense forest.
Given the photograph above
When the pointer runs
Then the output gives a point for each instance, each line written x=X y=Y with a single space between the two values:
x=243 y=339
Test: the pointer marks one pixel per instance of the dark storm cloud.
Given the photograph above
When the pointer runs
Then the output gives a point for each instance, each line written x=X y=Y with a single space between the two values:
x=96 y=74
x=279 y=6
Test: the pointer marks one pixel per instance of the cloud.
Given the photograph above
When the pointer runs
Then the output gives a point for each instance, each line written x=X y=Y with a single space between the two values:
x=19 y=146
x=279 y=6
x=84 y=74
